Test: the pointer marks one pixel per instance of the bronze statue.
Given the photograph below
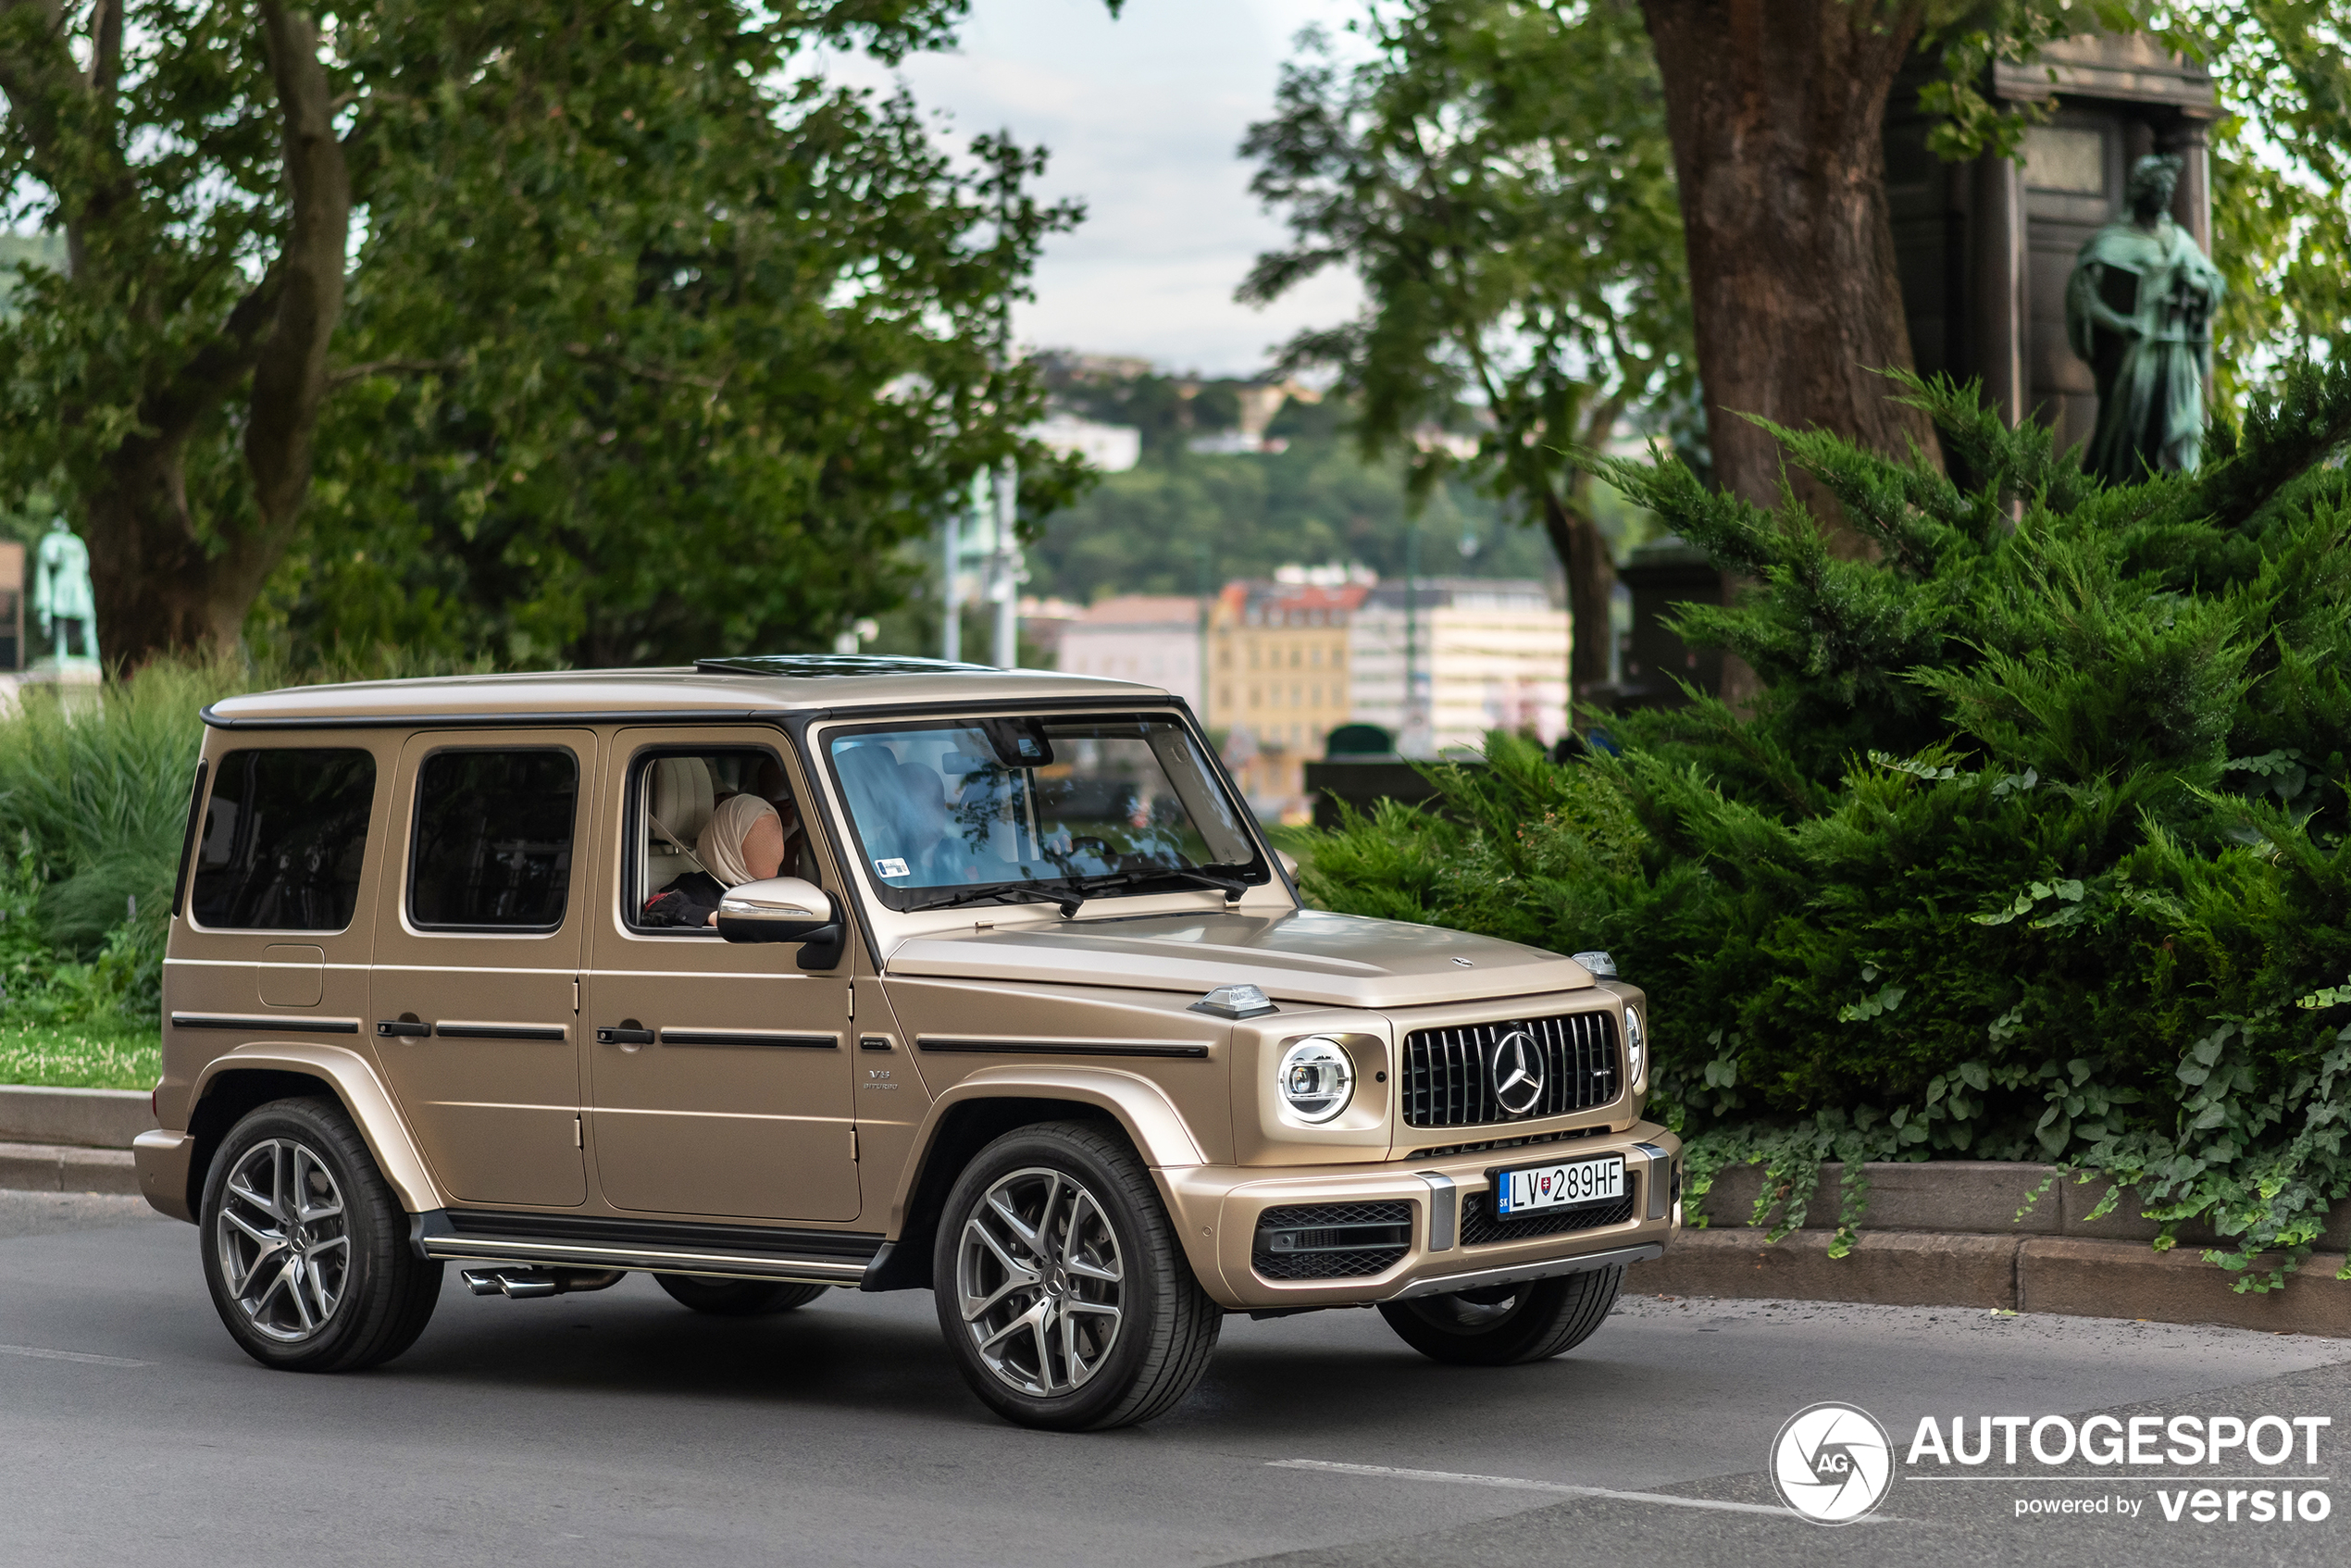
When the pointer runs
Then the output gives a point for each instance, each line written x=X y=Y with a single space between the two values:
x=2139 y=308
x=64 y=607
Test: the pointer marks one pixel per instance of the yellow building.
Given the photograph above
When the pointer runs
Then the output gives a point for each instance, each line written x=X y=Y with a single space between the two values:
x=1277 y=686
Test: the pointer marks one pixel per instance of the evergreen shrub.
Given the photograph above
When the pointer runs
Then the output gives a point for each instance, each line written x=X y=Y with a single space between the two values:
x=2033 y=846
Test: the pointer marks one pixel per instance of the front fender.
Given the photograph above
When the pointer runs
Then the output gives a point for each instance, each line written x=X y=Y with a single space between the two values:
x=353 y=1078
x=1139 y=1106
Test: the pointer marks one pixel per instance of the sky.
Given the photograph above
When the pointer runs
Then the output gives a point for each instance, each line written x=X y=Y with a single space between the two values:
x=1143 y=116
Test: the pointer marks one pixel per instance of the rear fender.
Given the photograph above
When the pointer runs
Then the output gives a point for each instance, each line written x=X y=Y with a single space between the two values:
x=349 y=1077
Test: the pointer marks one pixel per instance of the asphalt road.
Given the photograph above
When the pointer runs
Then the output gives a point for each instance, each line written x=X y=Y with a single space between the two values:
x=618 y=1428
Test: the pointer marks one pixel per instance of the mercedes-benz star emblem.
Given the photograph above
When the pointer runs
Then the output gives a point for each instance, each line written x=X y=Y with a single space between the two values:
x=1514 y=1065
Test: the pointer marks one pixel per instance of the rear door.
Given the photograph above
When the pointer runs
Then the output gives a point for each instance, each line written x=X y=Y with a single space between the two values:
x=477 y=953
x=718 y=1071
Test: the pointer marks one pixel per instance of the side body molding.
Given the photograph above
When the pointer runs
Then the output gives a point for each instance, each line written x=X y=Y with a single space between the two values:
x=362 y=1094
x=1150 y=1119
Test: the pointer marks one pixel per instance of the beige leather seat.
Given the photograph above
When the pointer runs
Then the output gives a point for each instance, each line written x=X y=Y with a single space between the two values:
x=680 y=803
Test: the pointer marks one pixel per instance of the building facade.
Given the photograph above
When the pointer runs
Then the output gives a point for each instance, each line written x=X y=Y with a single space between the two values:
x=1152 y=638
x=1484 y=655
x=1279 y=675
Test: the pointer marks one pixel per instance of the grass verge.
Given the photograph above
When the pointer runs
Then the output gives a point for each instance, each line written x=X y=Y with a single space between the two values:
x=81 y=1057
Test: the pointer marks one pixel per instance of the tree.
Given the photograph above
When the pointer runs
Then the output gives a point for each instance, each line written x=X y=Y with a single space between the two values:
x=565 y=222
x=1495 y=172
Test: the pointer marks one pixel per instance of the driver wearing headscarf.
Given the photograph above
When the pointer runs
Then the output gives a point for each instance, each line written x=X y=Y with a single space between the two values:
x=742 y=843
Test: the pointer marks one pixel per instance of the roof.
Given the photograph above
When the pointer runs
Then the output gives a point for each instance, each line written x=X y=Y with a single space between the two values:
x=1131 y=610
x=716 y=688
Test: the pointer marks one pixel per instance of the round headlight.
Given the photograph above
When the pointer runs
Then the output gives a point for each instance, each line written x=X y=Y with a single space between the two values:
x=1316 y=1080
x=1635 y=1039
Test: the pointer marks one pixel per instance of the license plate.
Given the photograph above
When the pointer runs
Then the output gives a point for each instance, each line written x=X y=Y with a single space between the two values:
x=1564 y=1184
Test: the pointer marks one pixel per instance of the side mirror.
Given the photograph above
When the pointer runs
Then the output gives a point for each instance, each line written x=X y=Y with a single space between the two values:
x=784 y=909
x=1289 y=863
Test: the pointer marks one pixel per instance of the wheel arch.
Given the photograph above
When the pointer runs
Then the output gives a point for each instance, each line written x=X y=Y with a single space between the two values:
x=993 y=1101
x=250 y=1077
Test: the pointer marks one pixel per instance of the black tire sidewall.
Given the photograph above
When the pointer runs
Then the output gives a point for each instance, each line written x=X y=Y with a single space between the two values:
x=1545 y=1323
x=382 y=1277
x=737 y=1298
x=1145 y=1296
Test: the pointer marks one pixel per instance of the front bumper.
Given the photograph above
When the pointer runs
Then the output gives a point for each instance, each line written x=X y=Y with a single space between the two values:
x=1218 y=1210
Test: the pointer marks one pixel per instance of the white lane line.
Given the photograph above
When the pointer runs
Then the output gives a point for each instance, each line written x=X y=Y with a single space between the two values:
x=1513 y=1484
x=41 y=1354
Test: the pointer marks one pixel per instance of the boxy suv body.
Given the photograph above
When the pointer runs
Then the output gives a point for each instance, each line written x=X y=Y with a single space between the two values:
x=1021 y=1008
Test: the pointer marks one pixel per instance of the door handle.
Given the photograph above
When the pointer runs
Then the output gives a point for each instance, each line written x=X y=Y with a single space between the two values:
x=622 y=1035
x=403 y=1029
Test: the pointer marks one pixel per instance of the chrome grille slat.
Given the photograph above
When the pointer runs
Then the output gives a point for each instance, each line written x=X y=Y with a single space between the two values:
x=1447 y=1083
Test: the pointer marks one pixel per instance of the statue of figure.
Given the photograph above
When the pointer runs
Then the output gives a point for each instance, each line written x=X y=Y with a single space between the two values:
x=2139 y=308
x=63 y=602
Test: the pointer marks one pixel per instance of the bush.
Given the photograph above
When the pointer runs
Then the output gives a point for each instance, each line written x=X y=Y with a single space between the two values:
x=2032 y=847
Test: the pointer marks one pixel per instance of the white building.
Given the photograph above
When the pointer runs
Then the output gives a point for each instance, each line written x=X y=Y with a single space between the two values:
x=1113 y=448
x=1491 y=655
x=1146 y=636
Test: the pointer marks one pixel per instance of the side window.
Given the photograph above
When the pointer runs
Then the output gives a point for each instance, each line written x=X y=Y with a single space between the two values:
x=702 y=821
x=282 y=840
x=492 y=850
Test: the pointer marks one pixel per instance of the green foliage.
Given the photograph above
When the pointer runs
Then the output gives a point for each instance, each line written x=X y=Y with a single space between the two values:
x=2037 y=844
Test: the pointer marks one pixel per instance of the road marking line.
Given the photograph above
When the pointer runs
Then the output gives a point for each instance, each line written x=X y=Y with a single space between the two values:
x=71 y=1355
x=1513 y=1484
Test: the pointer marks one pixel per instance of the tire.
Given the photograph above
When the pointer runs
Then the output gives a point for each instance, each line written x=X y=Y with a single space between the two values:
x=1121 y=1295
x=1507 y=1324
x=351 y=1291
x=736 y=1298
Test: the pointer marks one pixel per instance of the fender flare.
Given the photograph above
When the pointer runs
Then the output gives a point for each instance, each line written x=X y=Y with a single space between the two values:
x=354 y=1081
x=1150 y=1120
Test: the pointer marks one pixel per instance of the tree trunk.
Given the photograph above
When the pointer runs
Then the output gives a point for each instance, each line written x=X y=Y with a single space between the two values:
x=160 y=588
x=1591 y=594
x=1775 y=108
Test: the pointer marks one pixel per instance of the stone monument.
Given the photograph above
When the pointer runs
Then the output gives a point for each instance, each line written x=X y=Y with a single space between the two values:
x=64 y=603
x=2138 y=309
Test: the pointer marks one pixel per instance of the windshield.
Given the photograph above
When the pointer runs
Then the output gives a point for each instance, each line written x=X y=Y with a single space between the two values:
x=965 y=804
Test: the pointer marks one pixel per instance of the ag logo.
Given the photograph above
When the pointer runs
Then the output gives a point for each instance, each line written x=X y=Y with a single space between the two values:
x=1514 y=1066
x=1832 y=1463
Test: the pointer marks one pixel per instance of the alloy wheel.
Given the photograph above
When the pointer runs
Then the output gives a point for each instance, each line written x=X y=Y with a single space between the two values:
x=1040 y=1282
x=282 y=1241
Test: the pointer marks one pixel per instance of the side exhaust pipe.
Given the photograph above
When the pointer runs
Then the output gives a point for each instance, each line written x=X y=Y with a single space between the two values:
x=530 y=1284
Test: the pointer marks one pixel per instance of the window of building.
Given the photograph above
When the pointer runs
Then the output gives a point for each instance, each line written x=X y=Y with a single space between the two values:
x=283 y=838
x=493 y=842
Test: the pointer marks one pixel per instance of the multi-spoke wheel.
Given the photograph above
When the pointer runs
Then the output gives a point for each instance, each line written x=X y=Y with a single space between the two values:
x=306 y=1247
x=1039 y=1282
x=1061 y=1286
x=1507 y=1324
x=284 y=1253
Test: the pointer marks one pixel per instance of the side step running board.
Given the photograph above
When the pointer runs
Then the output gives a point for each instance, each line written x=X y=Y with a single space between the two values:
x=570 y=1244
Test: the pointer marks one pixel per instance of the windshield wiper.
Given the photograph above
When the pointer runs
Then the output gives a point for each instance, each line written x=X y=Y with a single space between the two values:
x=1102 y=881
x=1066 y=902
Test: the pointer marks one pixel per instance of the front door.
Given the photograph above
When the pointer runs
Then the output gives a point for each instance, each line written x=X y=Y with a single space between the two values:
x=718 y=1071
x=477 y=959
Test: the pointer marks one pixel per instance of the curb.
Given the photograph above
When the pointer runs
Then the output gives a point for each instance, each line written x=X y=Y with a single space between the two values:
x=48 y=1168
x=2072 y=1277
x=87 y=1118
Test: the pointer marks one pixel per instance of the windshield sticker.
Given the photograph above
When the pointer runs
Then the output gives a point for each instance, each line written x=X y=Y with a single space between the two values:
x=892 y=868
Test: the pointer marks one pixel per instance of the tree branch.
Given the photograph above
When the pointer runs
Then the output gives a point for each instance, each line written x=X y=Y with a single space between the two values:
x=349 y=373
x=712 y=384
x=290 y=372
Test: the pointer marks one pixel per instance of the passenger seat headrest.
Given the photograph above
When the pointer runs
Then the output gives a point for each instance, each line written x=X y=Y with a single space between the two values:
x=682 y=798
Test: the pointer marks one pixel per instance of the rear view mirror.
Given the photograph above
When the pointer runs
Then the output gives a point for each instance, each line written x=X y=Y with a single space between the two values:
x=784 y=909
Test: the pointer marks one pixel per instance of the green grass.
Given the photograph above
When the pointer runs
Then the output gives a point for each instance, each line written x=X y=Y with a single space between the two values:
x=82 y=1055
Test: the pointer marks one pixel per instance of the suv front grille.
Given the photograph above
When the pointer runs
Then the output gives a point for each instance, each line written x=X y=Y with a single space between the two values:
x=1449 y=1084
x=1331 y=1240
x=1480 y=1227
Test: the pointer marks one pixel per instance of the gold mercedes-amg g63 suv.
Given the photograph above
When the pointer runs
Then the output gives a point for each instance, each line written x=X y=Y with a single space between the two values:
x=781 y=973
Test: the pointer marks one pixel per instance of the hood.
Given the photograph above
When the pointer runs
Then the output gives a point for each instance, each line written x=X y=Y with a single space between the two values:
x=1304 y=956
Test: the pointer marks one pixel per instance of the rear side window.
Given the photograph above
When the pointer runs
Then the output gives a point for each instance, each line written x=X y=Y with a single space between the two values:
x=493 y=841
x=282 y=840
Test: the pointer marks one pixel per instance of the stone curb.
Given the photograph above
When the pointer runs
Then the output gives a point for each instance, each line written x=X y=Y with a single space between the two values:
x=88 y=1118
x=2076 y=1277
x=48 y=1168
